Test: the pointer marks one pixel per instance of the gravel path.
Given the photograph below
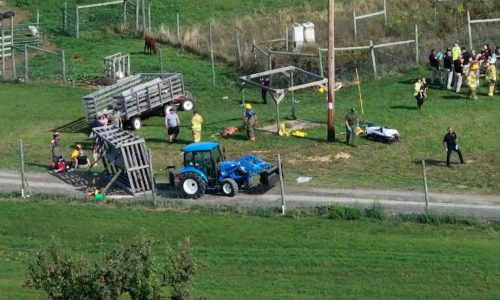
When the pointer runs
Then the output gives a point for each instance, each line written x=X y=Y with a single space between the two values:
x=73 y=184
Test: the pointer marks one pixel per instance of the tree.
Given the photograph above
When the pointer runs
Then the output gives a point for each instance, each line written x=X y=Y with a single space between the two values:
x=180 y=270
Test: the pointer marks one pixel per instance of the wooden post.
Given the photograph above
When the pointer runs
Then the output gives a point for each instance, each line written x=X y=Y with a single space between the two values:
x=416 y=44
x=124 y=14
x=14 y=72
x=23 y=187
x=149 y=17
x=282 y=188
x=240 y=63
x=153 y=188
x=213 y=66
x=63 y=65
x=320 y=57
x=210 y=35
x=385 y=14
x=77 y=22
x=161 y=60
x=26 y=64
x=469 y=29
x=331 y=72
x=137 y=6
x=374 y=63
x=37 y=17
x=178 y=29
x=286 y=40
x=65 y=16
x=293 y=98
x=355 y=31
x=144 y=28
x=277 y=116
x=3 y=51
x=426 y=190
x=269 y=60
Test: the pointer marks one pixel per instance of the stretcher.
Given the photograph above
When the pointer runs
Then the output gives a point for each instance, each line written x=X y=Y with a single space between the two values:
x=382 y=134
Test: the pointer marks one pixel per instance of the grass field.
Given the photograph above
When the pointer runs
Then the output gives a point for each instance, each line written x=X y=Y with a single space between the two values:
x=268 y=258
x=34 y=110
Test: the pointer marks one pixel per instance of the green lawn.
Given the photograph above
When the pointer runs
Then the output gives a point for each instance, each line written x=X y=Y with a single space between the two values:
x=268 y=258
x=33 y=111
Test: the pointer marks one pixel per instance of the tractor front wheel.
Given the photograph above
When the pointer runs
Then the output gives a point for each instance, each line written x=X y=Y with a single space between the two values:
x=229 y=187
x=193 y=186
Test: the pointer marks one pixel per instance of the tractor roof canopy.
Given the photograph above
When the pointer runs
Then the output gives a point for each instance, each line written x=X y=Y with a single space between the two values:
x=203 y=146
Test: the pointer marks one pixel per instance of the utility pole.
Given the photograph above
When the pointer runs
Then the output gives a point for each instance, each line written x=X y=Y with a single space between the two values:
x=331 y=73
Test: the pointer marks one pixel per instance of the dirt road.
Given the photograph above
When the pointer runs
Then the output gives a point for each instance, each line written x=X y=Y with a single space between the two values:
x=295 y=196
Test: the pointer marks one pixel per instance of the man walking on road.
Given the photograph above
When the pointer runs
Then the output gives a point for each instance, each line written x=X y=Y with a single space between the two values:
x=450 y=144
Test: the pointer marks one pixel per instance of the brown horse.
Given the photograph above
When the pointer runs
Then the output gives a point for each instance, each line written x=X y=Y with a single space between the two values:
x=149 y=45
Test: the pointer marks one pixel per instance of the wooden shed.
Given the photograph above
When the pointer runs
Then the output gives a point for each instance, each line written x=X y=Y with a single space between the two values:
x=125 y=157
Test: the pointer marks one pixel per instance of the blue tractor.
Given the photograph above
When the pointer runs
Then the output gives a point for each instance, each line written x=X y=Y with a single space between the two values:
x=206 y=170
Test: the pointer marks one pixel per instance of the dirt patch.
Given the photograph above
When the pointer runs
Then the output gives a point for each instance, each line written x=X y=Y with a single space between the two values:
x=324 y=158
x=342 y=155
x=290 y=125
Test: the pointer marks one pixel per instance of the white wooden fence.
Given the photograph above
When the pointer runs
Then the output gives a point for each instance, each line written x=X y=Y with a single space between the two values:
x=355 y=18
x=469 y=22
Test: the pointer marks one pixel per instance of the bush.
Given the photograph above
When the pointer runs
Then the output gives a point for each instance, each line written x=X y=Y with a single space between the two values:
x=130 y=269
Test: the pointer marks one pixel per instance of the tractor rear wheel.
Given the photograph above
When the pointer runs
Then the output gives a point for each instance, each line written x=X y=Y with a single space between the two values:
x=229 y=187
x=193 y=186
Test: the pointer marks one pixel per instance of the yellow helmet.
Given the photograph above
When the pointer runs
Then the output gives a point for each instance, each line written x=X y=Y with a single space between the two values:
x=321 y=90
x=474 y=67
x=248 y=106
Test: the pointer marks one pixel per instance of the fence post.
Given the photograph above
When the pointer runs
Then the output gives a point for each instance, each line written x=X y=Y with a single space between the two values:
x=355 y=31
x=144 y=18
x=13 y=63
x=3 y=52
x=293 y=98
x=372 y=50
x=416 y=44
x=65 y=16
x=149 y=17
x=469 y=29
x=161 y=60
x=426 y=190
x=320 y=57
x=213 y=66
x=210 y=35
x=21 y=152
x=153 y=188
x=26 y=63
x=137 y=6
x=178 y=29
x=385 y=14
x=239 y=49
x=37 y=17
x=124 y=14
x=282 y=188
x=286 y=39
x=77 y=25
x=63 y=64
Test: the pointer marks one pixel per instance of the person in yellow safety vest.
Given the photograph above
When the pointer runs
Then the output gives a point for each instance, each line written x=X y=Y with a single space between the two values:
x=472 y=81
x=418 y=93
x=456 y=52
x=196 y=126
x=491 y=76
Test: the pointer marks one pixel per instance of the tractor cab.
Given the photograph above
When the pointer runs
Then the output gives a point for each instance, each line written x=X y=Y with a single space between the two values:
x=204 y=157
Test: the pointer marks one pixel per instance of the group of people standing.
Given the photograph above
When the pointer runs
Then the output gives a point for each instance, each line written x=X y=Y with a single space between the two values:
x=458 y=63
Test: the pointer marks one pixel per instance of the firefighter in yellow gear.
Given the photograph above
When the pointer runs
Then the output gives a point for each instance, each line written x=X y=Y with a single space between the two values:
x=472 y=81
x=491 y=76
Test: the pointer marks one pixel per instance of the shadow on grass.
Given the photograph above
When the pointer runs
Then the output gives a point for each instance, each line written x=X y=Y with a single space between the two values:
x=453 y=97
x=78 y=126
x=404 y=106
x=78 y=178
x=431 y=162
x=165 y=141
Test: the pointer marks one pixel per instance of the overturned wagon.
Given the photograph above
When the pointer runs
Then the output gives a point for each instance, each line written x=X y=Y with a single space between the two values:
x=139 y=96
